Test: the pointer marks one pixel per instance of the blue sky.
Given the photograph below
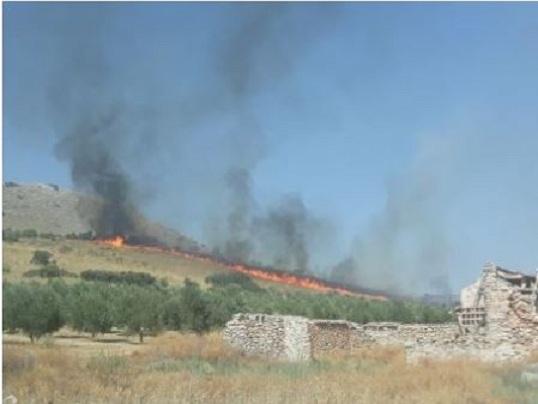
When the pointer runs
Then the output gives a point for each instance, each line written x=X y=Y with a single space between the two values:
x=412 y=128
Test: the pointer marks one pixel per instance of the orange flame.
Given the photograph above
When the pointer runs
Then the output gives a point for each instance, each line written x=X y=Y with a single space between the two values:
x=290 y=279
x=117 y=241
x=281 y=277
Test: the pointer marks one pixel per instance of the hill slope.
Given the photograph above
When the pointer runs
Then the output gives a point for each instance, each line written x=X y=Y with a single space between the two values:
x=51 y=209
x=45 y=208
x=77 y=256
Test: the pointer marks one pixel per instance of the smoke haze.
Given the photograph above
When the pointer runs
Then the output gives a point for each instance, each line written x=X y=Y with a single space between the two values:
x=270 y=130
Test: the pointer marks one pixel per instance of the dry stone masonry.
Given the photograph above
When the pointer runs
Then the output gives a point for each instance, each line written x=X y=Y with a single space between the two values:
x=497 y=320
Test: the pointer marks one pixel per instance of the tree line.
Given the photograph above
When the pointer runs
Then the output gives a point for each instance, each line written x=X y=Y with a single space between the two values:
x=100 y=306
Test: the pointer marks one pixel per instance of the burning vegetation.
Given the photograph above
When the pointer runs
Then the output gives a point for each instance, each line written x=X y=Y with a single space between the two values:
x=258 y=272
x=117 y=241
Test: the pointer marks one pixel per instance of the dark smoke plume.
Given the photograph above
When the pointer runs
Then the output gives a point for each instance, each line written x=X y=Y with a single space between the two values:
x=284 y=229
x=95 y=170
x=91 y=126
x=97 y=125
x=239 y=247
x=257 y=56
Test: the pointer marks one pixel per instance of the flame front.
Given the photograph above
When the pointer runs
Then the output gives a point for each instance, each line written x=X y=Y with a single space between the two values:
x=117 y=241
x=265 y=274
x=290 y=279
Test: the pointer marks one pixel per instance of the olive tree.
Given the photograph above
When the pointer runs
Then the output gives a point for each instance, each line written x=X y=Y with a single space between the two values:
x=140 y=309
x=90 y=307
x=35 y=309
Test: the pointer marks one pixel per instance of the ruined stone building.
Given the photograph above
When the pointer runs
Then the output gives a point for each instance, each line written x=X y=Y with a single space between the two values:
x=497 y=320
x=501 y=305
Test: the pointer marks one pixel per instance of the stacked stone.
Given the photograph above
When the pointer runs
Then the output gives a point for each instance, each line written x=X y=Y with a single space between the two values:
x=496 y=293
x=510 y=332
x=428 y=333
x=382 y=333
x=331 y=335
x=270 y=336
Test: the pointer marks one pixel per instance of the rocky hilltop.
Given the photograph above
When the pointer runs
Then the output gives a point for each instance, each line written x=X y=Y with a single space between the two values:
x=48 y=208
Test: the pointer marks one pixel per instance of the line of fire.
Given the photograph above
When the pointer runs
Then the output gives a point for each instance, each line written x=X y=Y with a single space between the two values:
x=263 y=273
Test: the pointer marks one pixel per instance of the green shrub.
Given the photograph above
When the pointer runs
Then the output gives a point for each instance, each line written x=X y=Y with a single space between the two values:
x=41 y=257
x=49 y=236
x=48 y=271
x=140 y=309
x=80 y=236
x=126 y=277
x=90 y=307
x=29 y=233
x=35 y=309
x=189 y=309
x=10 y=235
x=236 y=278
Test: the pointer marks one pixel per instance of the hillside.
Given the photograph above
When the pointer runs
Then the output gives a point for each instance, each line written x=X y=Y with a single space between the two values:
x=77 y=256
x=45 y=208
x=80 y=255
x=48 y=208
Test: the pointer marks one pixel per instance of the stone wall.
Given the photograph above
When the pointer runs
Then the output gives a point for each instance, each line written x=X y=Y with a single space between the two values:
x=332 y=335
x=277 y=337
x=296 y=338
x=505 y=328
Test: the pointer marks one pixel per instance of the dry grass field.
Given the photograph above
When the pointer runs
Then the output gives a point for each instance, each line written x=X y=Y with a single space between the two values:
x=77 y=256
x=187 y=368
x=80 y=255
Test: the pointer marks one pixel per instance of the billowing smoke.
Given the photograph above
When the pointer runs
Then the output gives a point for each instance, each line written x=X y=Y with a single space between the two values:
x=259 y=54
x=280 y=235
x=406 y=246
x=95 y=171
x=238 y=245
x=284 y=231
x=89 y=121
x=97 y=126
x=143 y=117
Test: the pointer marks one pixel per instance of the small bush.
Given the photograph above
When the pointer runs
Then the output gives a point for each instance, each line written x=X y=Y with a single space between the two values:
x=80 y=236
x=164 y=282
x=41 y=257
x=224 y=279
x=48 y=236
x=126 y=277
x=10 y=235
x=48 y=271
x=86 y=236
x=29 y=233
